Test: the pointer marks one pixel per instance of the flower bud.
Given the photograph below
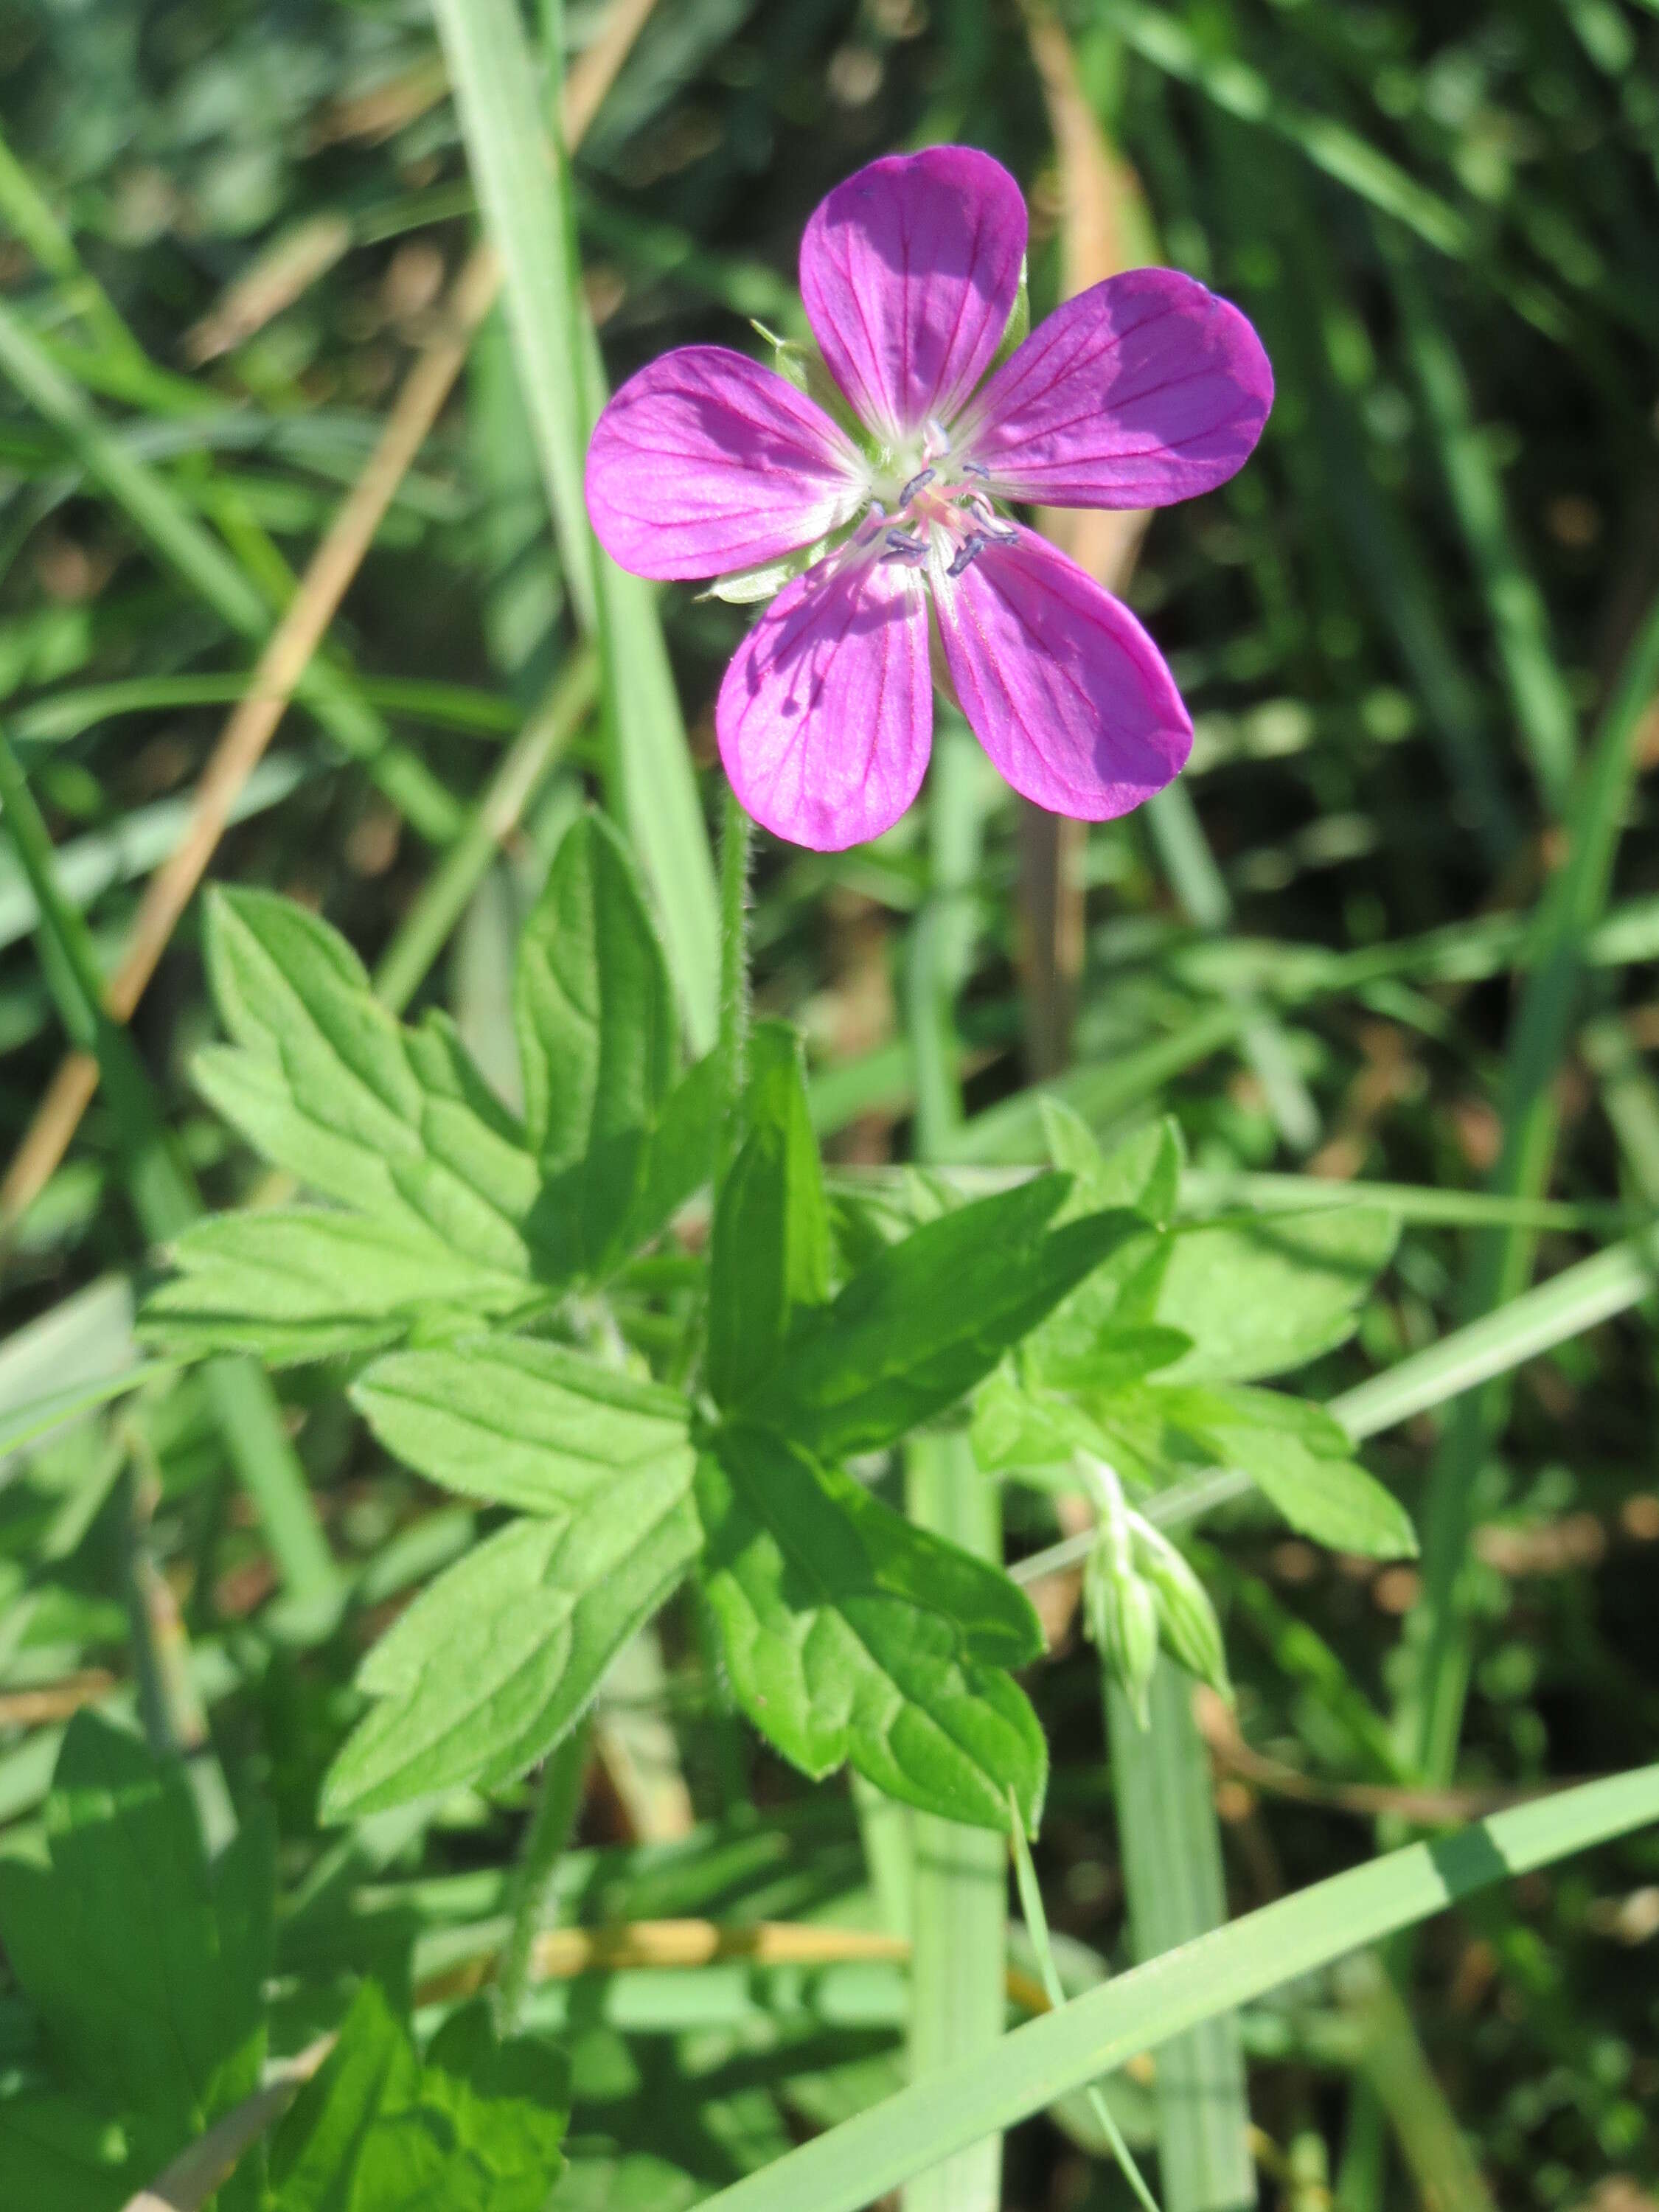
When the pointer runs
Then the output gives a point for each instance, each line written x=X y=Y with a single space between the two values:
x=1186 y=1621
x=1123 y=1617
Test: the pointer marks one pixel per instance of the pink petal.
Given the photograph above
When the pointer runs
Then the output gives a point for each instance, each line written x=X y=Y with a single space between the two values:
x=1061 y=685
x=1141 y=391
x=909 y=272
x=706 y=462
x=826 y=718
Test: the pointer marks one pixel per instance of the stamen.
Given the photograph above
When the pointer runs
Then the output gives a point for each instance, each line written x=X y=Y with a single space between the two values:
x=975 y=469
x=901 y=548
x=919 y=481
x=938 y=442
x=968 y=551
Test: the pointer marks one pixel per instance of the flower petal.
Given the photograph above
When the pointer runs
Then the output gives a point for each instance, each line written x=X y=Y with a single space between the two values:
x=706 y=462
x=1141 y=391
x=908 y=273
x=1061 y=685
x=826 y=718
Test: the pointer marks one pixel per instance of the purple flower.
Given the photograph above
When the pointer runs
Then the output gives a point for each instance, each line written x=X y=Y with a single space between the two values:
x=1146 y=389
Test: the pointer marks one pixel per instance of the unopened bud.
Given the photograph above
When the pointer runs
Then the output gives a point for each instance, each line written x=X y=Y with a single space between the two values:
x=1123 y=1615
x=1190 y=1630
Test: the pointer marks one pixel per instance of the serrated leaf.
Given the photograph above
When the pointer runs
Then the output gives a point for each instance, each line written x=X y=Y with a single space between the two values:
x=769 y=1253
x=477 y=2128
x=593 y=1005
x=1015 y=1427
x=1143 y=1173
x=144 y=1967
x=626 y=1188
x=521 y=1422
x=304 y=1283
x=1266 y=1294
x=923 y=1322
x=497 y=1659
x=392 y=1121
x=850 y=1635
x=1302 y=1461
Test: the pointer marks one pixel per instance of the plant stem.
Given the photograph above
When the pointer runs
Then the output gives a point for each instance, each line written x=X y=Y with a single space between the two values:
x=558 y=1801
x=959 y=1902
x=737 y=838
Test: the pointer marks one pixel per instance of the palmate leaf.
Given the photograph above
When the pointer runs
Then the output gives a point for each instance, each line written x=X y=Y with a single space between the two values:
x=851 y=1634
x=144 y=1966
x=1261 y=1295
x=451 y=1207
x=301 y=1283
x=495 y=1661
x=591 y=1003
x=390 y=1121
x=478 y=2128
x=769 y=1253
x=499 y=1657
x=925 y=1320
x=521 y=1422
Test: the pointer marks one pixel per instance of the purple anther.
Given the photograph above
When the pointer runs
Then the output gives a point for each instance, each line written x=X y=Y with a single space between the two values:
x=975 y=469
x=971 y=546
x=919 y=481
x=901 y=548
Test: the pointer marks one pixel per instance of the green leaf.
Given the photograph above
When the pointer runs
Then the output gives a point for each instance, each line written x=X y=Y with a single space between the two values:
x=591 y=1003
x=302 y=1283
x=1302 y=1461
x=769 y=1256
x=925 y=1320
x=58 y=2154
x=497 y=1659
x=477 y=2128
x=522 y=1423
x=323 y=1081
x=625 y=1190
x=1016 y=1427
x=144 y=1968
x=861 y=2159
x=1143 y=1173
x=1261 y=1296
x=851 y=1634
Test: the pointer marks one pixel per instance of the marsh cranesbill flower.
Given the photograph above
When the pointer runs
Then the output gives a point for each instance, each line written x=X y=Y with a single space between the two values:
x=1145 y=389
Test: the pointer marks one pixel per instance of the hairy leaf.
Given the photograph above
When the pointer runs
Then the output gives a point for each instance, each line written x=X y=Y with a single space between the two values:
x=769 y=1258
x=1262 y=1295
x=923 y=1320
x=496 y=1660
x=851 y=1634
x=304 y=1283
x=522 y=1423
x=477 y=2128
x=592 y=1001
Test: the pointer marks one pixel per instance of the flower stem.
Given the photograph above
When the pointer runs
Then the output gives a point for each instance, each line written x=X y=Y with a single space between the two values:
x=732 y=1043
x=551 y=1820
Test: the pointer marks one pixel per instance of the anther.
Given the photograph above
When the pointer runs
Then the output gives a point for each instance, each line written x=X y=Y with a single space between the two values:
x=919 y=481
x=971 y=546
x=975 y=469
x=901 y=548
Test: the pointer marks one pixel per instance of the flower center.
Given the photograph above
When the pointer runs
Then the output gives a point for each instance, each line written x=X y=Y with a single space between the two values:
x=932 y=503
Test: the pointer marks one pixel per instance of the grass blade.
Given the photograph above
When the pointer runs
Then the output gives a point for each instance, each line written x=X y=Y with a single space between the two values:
x=1096 y=2034
x=524 y=192
x=1171 y=1847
